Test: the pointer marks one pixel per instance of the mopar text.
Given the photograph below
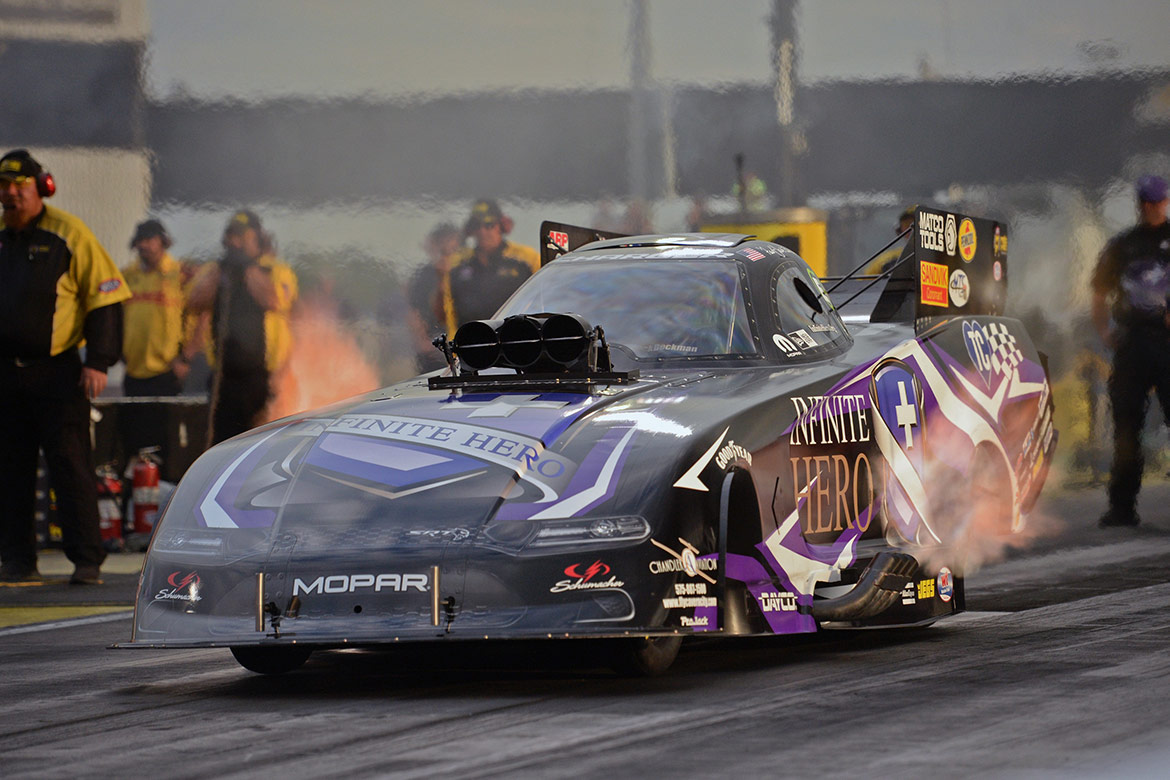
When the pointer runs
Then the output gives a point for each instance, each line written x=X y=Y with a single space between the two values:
x=351 y=583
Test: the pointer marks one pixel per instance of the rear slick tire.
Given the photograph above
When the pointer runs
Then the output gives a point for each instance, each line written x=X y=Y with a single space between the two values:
x=645 y=656
x=271 y=660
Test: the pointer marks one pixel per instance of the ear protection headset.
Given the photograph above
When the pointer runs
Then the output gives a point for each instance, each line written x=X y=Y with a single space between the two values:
x=45 y=184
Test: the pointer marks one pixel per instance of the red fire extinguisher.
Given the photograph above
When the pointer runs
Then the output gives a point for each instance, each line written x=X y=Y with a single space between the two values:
x=109 y=490
x=145 y=491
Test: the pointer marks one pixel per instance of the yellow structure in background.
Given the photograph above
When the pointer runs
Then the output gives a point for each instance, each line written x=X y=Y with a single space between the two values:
x=802 y=229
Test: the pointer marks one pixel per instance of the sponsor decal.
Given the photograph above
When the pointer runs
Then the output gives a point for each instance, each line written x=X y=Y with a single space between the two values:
x=525 y=456
x=978 y=349
x=925 y=589
x=777 y=601
x=843 y=419
x=673 y=348
x=732 y=451
x=896 y=392
x=559 y=239
x=992 y=348
x=967 y=240
x=908 y=595
x=352 y=583
x=999 y=243
x=801 y=339
x=506 y=405
x=837 y=491
x=686 y=561
x=950 y=234
x=687 y=622
x=997 y=270
x=109 y=285
x=960 y=287
x=184 y=587
x=946 y=584
x=686 y=602
x=752 y=254
x=584 y=577
x=690 y=589
x=690 y=479
x=930 y=231
x=786 y=345
x=933 y=283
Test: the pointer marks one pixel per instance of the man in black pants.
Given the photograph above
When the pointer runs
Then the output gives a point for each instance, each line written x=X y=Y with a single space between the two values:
x=249 y=294
x=59 y=289
x=1134 y=269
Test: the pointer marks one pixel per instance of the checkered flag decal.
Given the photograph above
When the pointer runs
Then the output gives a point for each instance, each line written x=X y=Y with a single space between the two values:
x=1005 y=355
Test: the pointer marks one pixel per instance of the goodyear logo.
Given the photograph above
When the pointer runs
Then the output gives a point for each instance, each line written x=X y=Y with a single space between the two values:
x=934 y=282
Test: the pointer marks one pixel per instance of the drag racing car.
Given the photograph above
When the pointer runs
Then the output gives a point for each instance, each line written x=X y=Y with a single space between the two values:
x=656 y=437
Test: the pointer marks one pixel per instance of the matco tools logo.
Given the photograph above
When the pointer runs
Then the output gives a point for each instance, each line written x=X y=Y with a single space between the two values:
x=351 y=583
x=586 y=578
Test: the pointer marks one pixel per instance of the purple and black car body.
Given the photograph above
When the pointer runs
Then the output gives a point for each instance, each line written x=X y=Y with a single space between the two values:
x=658 y=437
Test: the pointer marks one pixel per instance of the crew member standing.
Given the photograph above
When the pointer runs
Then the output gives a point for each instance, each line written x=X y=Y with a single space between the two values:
x=152 y=346
x=60 y=291
x=483 y=277
x=1134 y=270
x=428 y=298
x=250 y=295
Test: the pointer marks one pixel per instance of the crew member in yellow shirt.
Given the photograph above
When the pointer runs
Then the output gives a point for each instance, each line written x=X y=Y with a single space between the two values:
x=250 y=294
x=60 y=292
x=152 y=337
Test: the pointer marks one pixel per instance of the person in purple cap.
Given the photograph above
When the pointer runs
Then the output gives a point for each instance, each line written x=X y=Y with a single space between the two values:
x=1133 y=273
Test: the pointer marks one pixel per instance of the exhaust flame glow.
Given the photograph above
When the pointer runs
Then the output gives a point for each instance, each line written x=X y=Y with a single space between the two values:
x=326 y=364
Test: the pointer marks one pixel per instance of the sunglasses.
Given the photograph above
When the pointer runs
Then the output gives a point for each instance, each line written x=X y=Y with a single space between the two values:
x=19 y=181
x=487 y=223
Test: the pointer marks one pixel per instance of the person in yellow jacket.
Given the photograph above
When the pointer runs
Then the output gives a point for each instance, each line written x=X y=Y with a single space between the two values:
x=482 y=277
x=249 y=294
x=153 y=330
x=60 y=292
x=152 y=337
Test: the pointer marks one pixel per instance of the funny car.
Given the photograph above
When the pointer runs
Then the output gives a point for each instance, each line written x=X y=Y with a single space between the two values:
x=655 y=437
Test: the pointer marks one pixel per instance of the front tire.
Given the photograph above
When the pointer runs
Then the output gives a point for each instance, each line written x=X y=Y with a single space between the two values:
x=271 y=660
x=646 y=656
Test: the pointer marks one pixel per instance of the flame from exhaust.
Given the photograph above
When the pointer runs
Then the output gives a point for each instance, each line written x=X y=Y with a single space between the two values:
x=326 y=364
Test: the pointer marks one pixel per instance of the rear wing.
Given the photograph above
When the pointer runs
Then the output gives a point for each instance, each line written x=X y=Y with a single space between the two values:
x=961 y=264
x=557 y=238
x=951 y=265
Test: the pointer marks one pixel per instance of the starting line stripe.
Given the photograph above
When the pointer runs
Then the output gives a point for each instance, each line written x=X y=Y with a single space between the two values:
x=69 y=623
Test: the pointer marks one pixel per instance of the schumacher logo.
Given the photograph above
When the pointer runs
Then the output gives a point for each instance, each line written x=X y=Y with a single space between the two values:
x=351 y=583
x=583 y=578
x=184 y=587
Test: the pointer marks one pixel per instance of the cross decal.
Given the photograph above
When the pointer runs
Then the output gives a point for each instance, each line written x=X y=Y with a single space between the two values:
x=907 y=415
x=505 y=405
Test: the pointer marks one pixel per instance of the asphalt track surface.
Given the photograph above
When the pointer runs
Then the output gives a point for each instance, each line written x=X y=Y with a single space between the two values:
x=1059 y=669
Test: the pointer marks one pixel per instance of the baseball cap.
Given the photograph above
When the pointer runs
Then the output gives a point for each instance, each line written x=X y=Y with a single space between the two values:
x=484 y=210
x=241 y=221
x=19 y=163
x=1151 y=189
x=151 y=228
